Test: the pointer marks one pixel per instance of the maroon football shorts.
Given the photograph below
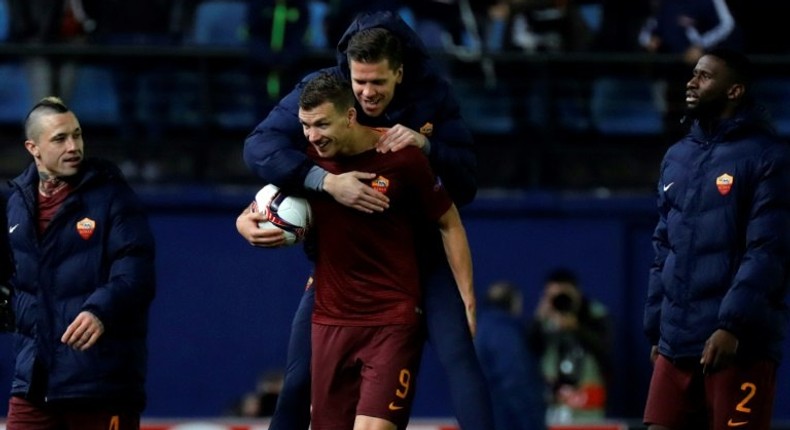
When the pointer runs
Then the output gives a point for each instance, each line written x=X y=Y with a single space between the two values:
x=367 y=371
x=23 y=415
x=739 y=396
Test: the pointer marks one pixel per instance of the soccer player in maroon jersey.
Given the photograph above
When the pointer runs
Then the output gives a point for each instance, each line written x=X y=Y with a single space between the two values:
x=397 y=85
x=367 y=333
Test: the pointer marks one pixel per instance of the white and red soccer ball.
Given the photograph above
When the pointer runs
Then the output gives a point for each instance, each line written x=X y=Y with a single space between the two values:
x=290 y=214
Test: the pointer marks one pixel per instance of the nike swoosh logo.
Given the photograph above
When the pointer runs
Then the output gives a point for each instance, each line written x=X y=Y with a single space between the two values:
x=393 y=407
x=12 y=228
x=668 y=186
x=732 y=423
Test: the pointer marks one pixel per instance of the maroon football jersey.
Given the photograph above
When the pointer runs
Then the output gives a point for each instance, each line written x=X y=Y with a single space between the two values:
x=48 y=205
x=366 y=271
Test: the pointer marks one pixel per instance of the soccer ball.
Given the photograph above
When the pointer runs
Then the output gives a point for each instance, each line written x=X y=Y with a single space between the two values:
x=288 y=213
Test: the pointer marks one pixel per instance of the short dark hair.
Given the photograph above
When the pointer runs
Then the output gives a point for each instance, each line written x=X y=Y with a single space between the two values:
x=326 y=88
x=738 y=63
x=50 y=104
x=372 y=45
x=563 y=275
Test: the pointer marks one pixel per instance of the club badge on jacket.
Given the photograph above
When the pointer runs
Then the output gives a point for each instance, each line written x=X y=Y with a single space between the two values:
x=724 y=184
x=86 y=227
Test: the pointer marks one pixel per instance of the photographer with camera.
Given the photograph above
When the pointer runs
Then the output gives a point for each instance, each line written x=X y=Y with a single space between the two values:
x=571 y=335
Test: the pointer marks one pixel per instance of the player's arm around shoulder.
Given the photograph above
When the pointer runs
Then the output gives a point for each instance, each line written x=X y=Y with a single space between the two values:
x=275 y=149
x=399 y=136
x=353 y=189
x=456 y=247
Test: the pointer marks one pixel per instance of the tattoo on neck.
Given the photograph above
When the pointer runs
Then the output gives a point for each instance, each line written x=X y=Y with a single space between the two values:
x=49 y=185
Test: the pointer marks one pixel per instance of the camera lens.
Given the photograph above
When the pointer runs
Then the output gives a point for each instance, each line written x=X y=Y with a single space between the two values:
x=562 y=302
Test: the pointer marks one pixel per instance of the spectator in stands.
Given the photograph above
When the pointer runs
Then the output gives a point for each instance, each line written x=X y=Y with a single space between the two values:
x=141 y=84
x=572 y=335
x=536 y=26
x=277 y=33
x=44 y=22
x=621 y=23
x=492 y=18
x=689 y=27
x=510 y=365
x=438 y=23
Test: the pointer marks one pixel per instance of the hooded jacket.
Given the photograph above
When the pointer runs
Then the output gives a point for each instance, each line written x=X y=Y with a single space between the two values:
x=96 y=255
x=275 y=150
x=722 y=242
x=6 y=264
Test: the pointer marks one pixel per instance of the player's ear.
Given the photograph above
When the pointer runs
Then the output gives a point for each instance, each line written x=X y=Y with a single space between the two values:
x=736 y=91
x=351 y=115
x=32 y=148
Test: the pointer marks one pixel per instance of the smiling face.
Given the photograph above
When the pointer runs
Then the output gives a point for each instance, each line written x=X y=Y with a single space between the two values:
x=327 y=129
x=56 y=144
x=374 y=85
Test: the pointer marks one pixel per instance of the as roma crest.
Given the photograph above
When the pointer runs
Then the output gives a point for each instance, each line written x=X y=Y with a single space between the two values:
x=427 y=129
x=380 y=184
x=724 y=184
x=86 y=227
